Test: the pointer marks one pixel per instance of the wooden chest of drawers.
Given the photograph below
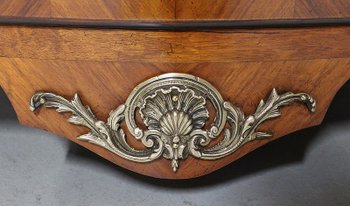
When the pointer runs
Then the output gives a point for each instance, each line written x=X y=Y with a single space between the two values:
x=173 y=89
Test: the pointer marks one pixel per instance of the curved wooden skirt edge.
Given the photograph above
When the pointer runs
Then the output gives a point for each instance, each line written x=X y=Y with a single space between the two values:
x=23 y=77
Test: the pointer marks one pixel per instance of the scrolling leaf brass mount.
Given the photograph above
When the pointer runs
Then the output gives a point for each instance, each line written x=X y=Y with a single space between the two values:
x=174 y=110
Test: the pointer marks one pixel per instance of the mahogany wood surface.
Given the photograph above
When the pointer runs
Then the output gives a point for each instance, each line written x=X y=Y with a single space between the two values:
x=176 y=9
x=103 y=66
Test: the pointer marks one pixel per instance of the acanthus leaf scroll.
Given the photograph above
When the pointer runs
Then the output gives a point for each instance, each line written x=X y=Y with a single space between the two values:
x=174 y=109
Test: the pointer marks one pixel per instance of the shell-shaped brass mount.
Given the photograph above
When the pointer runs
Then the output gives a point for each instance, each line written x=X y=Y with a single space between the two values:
x=174 y=109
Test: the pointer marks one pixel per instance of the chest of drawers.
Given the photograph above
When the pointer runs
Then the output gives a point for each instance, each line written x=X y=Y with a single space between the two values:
x=173 y=89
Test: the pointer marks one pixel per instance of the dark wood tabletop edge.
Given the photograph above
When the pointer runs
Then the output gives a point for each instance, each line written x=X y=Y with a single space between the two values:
x=172 y=25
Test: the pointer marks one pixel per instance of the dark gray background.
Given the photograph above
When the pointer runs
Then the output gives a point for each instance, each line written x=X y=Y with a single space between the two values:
x=310 y=167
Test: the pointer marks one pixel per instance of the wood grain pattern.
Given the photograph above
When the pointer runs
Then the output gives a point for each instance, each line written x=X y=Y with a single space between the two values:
x=321 y=9
x=258 y=9
x=25 y=8
x=104 y=86
x=235 y=10
x=104 y=67
x=176 y=9
x=175 y=47
x=116 y=9
x=90 y=9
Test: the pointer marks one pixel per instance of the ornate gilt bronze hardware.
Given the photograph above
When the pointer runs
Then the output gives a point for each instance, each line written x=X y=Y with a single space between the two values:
x=174 y=109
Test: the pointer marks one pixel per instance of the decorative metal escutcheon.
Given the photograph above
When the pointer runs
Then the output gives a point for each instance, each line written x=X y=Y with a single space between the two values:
x=174 y=109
